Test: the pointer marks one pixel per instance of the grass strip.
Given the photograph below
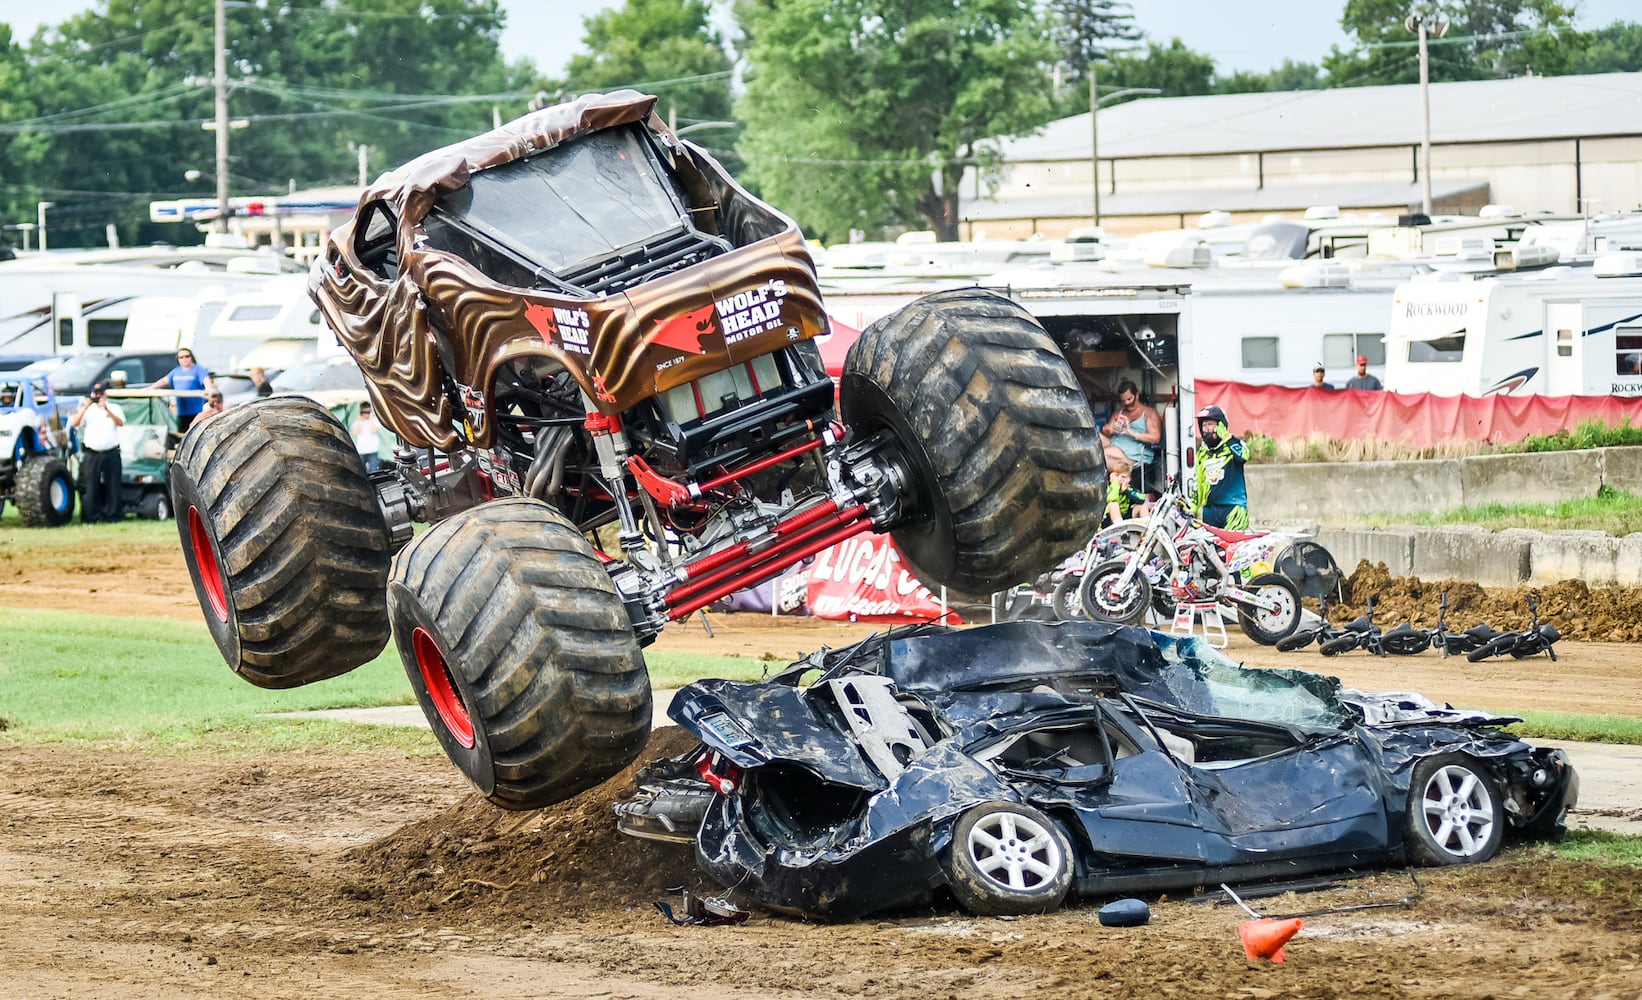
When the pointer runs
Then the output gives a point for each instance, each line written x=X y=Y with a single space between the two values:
x=162 y=687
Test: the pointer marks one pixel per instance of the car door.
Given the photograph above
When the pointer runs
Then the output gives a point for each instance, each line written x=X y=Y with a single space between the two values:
x=1323 y=793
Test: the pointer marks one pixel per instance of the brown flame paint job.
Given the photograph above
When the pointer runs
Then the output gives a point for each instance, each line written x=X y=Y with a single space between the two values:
x=440 y=310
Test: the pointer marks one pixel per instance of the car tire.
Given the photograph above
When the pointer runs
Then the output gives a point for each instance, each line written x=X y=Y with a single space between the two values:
x=284 y=540
x=1004 y=464
x=1068 y=607
x=1270 y=627
x=1456 y=815
x=1103 y=603
x=521 y=652
x=1008 y=859
x=45 y=492
x=154 y=506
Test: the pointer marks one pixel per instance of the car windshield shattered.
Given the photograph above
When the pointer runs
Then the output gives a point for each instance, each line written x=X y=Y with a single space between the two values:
x=1011 y=765
x=1208 y=683
x=598 y=193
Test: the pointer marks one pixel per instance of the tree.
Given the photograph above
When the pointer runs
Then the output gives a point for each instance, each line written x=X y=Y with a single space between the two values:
x=310 y=75
x=1616 y=48
x=865 y=114
x=1173 y=68
x=669 y=47
x=1086 y=31
x=1485 y=39
x=1289 y=76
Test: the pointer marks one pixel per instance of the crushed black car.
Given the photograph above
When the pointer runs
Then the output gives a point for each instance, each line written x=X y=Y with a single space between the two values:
x=1014 y=764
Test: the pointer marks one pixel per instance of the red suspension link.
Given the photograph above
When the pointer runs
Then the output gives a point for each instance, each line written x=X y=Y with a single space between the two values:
x=798 y=538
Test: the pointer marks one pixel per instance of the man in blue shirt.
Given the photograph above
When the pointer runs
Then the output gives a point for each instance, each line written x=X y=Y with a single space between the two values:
x=187 y=377
x=1222 y=495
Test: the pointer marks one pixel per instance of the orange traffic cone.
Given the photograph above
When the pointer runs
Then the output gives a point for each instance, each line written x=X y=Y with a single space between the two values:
x=1264 y=938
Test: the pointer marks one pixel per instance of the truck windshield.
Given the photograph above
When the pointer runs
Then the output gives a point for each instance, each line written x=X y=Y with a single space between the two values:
x=580 y=201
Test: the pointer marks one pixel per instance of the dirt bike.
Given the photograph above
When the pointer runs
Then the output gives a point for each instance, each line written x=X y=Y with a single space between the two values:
x=1188 y=561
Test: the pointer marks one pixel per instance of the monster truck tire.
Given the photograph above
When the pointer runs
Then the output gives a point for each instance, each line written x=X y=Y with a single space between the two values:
x=284 y=540
x=521 y=652
x=1004 y=461
x=45 y=492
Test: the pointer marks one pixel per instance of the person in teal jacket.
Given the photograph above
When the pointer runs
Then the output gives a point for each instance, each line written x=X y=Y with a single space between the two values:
x=1222 y=494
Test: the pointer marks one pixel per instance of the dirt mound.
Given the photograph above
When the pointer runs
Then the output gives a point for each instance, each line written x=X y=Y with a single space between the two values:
x=1602 y=614
x=491 y=866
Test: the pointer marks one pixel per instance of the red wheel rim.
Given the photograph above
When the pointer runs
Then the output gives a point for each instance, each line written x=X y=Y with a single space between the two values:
x=205 y=564
x=442 y=688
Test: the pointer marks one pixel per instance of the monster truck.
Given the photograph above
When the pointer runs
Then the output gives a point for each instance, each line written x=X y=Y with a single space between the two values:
x=596 y=351
x=36 y=448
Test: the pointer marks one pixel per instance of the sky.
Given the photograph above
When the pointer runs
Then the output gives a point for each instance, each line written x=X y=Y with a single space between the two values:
x=1239 y=34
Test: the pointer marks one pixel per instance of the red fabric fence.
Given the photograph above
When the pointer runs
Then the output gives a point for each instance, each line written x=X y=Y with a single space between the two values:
x=1418 y=419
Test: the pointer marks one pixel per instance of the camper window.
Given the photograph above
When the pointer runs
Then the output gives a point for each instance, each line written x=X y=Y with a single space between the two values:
x=1260 y=352
x=1441 y=350
x=1565 y=343
x=1340 y=350
x=1628 y=360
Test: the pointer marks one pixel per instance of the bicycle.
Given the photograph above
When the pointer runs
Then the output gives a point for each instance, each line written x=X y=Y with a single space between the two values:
x=1531 y=641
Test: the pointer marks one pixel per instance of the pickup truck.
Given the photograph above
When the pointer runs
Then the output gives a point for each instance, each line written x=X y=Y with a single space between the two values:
x=36 y=451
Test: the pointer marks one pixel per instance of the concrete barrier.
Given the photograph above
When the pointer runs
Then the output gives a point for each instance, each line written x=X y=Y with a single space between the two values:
x=1463 y=552
x=1330 y=499
x=1392 y=546
x=1347 y=491
x=1592 y=556
x=1622 y=469
x=1541 y=477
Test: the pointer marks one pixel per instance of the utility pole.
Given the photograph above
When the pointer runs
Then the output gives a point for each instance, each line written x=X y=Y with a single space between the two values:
x=1094 y=138
x=221 y=83
x=41 y=224
x=1422 y=26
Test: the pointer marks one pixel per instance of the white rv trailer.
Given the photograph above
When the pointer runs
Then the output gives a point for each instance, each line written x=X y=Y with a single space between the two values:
x=1110 y=329
x=1560 y=331
x=63 y=302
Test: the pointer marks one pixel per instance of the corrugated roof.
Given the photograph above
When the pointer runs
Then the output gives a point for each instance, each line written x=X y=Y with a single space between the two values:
x=1192 y=201
x=1525 y=108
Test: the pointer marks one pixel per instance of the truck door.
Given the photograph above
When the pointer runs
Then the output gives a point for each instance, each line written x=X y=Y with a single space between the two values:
x=1564 y=348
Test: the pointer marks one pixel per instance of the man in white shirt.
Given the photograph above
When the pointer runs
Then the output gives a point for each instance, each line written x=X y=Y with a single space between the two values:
x=99 y=426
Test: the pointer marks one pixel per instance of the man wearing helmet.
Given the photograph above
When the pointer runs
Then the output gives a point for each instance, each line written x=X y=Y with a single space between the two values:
x=1222 y=495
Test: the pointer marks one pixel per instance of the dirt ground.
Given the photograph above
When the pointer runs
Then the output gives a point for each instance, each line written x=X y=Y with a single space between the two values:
x=377 y=875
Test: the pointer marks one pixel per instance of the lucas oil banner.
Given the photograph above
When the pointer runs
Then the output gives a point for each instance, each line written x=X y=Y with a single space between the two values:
x=865 y=579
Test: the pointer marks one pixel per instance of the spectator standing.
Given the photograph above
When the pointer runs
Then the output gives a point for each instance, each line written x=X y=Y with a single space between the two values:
x=99 y=426
x=1135 y=429
x=1222 y=494
x=367 y=438
x=259 y=378
x=186 y=377
x=1363 y=380
x=213 y=406
x=1317 y=375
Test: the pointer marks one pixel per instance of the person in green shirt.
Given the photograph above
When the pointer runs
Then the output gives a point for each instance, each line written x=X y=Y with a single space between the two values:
x=1122 y=500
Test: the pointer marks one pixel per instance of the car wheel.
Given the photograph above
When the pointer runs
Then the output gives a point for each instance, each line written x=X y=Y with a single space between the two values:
x=1104 y=600
x=521 y=652
x=1065 y=598
x=1008 y=859
x=1268 y=627
x=45 y=492
x=155 y=506
x=999 y=446
x=285 y=542
x=1455 y=813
